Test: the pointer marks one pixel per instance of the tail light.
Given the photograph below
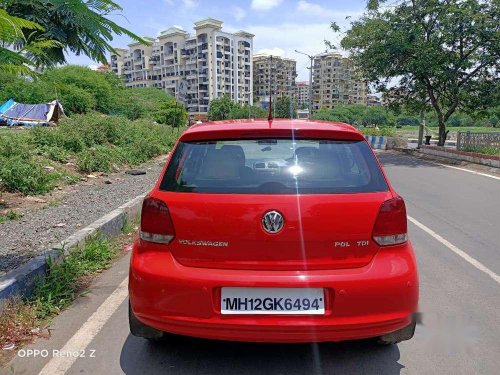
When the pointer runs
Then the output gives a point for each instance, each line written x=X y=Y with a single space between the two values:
x=391 y=226
x=156 y=223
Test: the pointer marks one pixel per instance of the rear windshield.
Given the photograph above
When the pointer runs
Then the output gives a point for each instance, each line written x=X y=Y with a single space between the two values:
x=273 y=166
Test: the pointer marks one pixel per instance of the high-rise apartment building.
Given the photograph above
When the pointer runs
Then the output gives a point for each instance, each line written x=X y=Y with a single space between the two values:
x=194 y=68
x=275 y=70
x=335 y=81
x=302 y=94
x=117 y=60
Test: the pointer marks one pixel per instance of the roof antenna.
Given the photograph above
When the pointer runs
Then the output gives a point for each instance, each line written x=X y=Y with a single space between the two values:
x=270 y=115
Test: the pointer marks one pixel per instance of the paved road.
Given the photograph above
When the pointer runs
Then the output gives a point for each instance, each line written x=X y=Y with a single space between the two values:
x=458 y=217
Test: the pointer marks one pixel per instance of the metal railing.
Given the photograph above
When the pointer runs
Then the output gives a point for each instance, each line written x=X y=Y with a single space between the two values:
x=472 y=140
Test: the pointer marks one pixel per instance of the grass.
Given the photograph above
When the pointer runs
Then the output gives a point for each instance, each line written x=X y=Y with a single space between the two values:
x=412 y=131
x=483 y=150
x=93 y=142
x=22 y=319
x=10 y=216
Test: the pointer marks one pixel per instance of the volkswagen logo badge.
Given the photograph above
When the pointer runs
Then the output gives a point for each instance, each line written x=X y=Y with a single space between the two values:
x=273 y=221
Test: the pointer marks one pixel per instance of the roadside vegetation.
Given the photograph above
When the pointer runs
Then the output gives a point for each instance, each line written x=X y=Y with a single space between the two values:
x=35 y=161
x=226 y=109
x=361 y=115
x=22 y=319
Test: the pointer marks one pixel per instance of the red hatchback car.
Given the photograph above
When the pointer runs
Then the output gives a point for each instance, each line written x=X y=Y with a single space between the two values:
x=273 y=231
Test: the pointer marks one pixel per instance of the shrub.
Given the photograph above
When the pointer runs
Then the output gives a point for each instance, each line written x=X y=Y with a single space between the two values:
x=87 y=80
x=58 y=154
x=98 y=159
x=76 y=100
x=25 y=175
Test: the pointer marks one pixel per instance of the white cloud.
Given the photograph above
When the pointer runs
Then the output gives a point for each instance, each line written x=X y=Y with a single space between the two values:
x=312 y=9
x=239 y=13
x=169 y=2
x=265 y=4
x=276 y=51
x=189 y=3
x=284 y=38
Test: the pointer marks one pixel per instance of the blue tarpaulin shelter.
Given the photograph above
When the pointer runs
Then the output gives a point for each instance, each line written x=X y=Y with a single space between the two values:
x=13 y=113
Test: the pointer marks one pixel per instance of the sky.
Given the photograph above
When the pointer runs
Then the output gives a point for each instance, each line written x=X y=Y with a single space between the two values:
x=280 y=26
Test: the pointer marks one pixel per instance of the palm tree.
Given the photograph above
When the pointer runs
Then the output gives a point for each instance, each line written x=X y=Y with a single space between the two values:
x=80 y=26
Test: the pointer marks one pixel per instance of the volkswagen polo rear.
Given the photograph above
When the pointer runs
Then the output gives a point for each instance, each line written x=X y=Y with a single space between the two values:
x=283 y=231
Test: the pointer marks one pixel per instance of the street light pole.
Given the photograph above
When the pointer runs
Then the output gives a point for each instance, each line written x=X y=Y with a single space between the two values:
x=311 y=58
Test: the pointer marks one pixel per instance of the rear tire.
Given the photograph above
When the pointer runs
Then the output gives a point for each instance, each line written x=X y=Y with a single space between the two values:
x=395 y=337
x=139 y=329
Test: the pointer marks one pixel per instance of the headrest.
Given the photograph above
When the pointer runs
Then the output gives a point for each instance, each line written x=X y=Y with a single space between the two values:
x=219 y=164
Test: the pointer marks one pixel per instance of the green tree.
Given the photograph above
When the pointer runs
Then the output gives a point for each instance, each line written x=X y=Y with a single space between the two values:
x=246 y=111
x=281 y=107
x=220 y=108
x=171 y=113
x=29 y=47
x=444 y=54
x=375 y=116
x=80 y=26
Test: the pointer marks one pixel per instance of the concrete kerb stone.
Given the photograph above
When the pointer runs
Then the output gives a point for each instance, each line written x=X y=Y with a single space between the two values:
x=21 y=280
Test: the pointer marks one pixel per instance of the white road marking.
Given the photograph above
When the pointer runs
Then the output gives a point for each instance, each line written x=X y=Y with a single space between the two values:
x=470 y=171
x=82 y=338
x=456 y=250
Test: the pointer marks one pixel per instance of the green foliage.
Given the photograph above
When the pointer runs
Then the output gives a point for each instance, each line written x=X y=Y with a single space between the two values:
x=61 y=283
x=444 y=54
x=171 y=113
x=375 y=116
x=9 y=216
x=247 y=111
x=81 y=27
x=24 y=90
x=358 y=115
x=85 y=79
x=24 y=175
x=135 y=103
x=95 y=142
x=225 y=109
x=82 y=90
x=98 y=158
x=281 y=108
x=220 y=108
x=387 y=132
x=29 y=46
x=483 y=150
x=75 y=99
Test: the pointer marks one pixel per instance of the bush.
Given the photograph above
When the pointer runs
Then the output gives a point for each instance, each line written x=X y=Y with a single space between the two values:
x=76 y=100
x=86 y=80
x=25 y=175
x=98 y=159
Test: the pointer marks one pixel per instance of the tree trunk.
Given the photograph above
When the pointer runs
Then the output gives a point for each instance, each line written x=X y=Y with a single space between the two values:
x=443 y=133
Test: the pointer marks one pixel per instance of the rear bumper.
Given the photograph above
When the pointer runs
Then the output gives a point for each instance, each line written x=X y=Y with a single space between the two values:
x=365 y=302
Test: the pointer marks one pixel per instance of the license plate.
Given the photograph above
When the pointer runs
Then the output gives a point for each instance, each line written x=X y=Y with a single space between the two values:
x=309 y=301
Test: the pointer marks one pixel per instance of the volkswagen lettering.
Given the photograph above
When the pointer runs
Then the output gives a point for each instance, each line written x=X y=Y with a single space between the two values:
x=273 y=231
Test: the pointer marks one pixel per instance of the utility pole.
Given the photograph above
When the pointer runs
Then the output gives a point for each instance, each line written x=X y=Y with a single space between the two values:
x=311 y=59
x=421 y=128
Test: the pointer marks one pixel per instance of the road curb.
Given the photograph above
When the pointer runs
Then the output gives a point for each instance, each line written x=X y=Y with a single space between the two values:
x=20 y=281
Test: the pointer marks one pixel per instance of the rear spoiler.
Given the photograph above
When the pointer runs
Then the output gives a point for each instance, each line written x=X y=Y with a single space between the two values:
x=303 y=133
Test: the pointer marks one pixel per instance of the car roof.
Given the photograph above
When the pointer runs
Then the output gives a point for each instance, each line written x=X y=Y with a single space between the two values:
x=279 y=128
